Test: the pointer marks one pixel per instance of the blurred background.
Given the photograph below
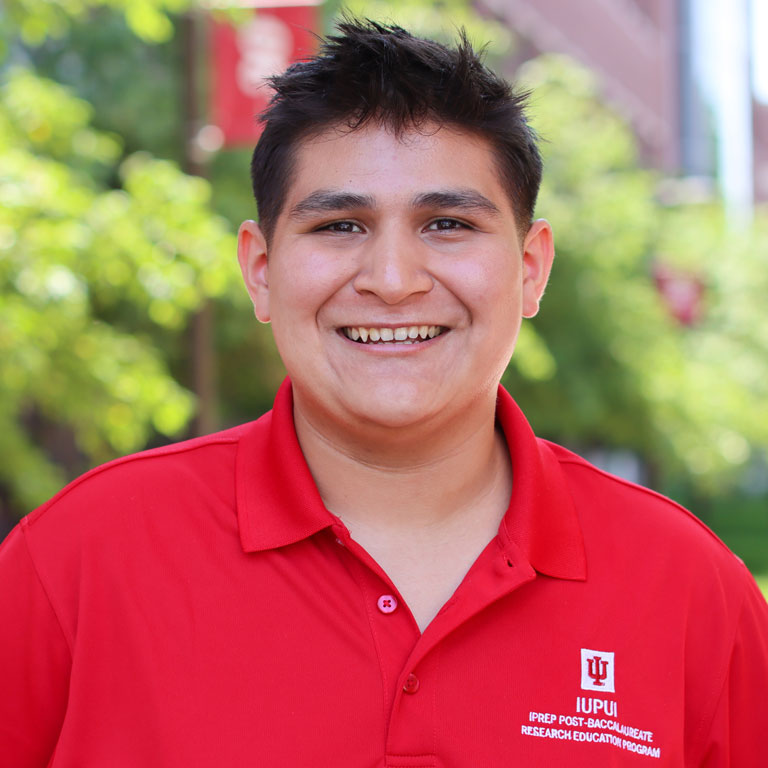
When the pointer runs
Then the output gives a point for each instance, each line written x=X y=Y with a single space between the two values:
x=125 y=133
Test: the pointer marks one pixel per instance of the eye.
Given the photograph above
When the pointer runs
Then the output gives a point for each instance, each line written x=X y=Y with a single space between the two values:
x=446 y=225
x=341 y=227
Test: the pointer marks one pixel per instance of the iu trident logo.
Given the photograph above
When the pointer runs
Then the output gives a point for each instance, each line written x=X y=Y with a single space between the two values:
x=597 y=671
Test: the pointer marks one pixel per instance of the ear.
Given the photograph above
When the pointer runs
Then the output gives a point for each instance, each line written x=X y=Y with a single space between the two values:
x=252 y=256
x=538 y=254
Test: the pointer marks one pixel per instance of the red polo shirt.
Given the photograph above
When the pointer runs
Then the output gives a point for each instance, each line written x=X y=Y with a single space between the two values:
x=197 y=605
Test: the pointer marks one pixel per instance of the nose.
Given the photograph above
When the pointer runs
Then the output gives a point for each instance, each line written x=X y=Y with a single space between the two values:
x=393 y=268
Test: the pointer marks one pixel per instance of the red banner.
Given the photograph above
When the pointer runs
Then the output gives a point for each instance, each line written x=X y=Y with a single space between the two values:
x=245 y=56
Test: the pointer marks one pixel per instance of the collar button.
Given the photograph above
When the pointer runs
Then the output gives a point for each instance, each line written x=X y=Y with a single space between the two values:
x=387 y=603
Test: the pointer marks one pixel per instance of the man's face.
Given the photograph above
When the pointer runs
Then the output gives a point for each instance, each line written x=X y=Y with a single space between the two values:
x=381 y=237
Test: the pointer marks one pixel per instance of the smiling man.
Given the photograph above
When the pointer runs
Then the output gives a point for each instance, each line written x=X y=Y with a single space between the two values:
x=396 y=280
x=389 y=568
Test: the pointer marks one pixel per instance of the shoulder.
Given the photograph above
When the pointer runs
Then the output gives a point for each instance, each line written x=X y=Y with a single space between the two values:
x=158 y=509
x=135 y=501
x=631 y=529
x=603 y=495
x=679 y=595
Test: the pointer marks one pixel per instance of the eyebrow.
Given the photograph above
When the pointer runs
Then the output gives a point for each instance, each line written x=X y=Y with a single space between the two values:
x=463 y=199
x=327 y=201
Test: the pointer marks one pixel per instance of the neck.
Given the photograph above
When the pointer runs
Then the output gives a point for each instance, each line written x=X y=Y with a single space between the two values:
x=442 y=476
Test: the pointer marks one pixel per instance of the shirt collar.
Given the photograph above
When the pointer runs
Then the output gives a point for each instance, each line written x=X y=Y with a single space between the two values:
x=541 y=519
x=278 y=502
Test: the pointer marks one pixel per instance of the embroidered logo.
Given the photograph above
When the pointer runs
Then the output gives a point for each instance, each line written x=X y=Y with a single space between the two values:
x=597 y=671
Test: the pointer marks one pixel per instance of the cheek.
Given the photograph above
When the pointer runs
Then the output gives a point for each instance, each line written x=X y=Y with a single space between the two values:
x=304 y=284
x=491 y=283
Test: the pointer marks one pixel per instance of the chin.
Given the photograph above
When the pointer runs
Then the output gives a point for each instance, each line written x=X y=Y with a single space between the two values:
x=397 y=419
x=391 y=407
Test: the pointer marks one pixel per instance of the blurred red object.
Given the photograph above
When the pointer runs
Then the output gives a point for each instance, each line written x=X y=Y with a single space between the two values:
x=683 y=293
x=245 y=56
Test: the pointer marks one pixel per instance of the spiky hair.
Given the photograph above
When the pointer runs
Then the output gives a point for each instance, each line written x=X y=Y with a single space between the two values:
x=371 y=72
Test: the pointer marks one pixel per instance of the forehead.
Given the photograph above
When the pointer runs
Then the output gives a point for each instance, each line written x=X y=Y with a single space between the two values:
x=373 y=161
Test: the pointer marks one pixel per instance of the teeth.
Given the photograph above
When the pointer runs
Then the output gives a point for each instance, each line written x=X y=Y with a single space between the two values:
x=410 y=334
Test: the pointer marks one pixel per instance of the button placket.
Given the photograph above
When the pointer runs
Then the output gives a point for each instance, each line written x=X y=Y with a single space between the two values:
x=395 y=635
x=412 y=724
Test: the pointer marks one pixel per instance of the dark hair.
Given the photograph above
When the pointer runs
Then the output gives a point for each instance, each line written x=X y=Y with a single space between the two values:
x=375 y=72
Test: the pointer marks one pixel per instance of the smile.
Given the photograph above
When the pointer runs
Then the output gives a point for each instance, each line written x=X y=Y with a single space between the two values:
x=407 y=334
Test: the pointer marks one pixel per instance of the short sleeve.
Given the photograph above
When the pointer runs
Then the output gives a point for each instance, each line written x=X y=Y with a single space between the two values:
x=35 y=661
x=738 y=737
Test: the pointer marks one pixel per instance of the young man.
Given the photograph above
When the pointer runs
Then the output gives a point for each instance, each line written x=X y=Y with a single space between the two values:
x=388 y=569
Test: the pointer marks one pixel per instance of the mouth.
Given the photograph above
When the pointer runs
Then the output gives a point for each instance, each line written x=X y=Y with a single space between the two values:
x=406 y=334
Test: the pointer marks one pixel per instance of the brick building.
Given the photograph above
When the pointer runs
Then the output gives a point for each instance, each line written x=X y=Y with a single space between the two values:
x=647 y=57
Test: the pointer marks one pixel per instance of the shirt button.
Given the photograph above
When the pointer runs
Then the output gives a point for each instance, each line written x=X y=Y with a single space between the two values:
x=411 y=684
x=387 y=603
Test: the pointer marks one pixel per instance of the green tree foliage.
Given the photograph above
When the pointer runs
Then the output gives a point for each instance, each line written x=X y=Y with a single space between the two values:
x=132 y=84
x=710 y=396
x=91 y=278
x=600 y=304
x=145 y=248
x=103 y=258
x=36 y=20
x=437 y=20
x=605 y=349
